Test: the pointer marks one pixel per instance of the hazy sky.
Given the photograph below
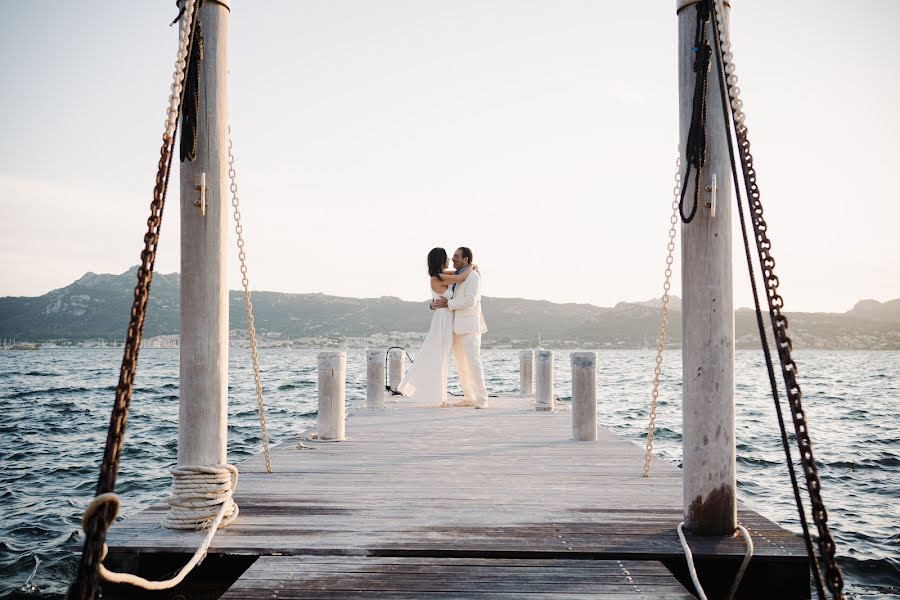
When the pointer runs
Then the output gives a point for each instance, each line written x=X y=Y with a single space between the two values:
x=542 y=134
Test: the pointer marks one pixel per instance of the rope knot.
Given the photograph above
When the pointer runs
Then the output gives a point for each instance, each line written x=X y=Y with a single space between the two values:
x=200 y=495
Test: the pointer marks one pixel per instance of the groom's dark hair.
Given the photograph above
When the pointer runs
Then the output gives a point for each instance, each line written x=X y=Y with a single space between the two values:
x=466 y=253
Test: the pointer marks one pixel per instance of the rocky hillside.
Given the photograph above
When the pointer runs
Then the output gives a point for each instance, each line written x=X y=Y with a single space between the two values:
x=96 y=306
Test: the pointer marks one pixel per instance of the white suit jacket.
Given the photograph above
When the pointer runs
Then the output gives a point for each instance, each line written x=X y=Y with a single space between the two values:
x=466 y=306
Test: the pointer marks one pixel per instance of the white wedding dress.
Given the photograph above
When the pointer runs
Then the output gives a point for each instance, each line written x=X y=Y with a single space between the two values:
x=426 y=380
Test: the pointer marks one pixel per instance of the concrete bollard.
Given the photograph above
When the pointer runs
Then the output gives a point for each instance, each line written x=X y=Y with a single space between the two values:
x=526 y=373
x=396 y=367
x=543 y=377
x=584 y=396
x=332 y=386
x=375 y=379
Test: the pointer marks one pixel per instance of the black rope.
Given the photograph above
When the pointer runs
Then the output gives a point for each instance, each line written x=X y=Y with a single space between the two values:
x=695 y=153
x=776 y=398
x=190 y=131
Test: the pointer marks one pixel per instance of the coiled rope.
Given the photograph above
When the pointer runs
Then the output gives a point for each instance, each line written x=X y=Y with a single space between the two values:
x=201 y=496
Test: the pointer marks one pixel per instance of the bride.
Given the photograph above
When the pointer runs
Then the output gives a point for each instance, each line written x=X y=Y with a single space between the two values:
x=426 y=380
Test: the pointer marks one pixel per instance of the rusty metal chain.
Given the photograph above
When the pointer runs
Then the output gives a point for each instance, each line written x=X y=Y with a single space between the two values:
x=248 y=303
x=827 y=551
x=663 y=316
x=85 y=585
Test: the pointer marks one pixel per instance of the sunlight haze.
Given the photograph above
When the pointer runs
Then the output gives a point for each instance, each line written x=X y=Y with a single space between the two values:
x=541 y=134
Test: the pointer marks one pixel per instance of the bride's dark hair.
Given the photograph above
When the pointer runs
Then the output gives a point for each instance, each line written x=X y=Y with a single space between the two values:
x=437 y=260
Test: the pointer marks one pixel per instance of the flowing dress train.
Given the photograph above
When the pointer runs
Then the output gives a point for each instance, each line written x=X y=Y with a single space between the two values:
x=426 y=379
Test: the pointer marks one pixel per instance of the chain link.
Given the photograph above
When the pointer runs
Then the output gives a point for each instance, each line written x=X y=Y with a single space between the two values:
x=833 y=577
x=663 y=316
x=248 y=303
x=85 y=586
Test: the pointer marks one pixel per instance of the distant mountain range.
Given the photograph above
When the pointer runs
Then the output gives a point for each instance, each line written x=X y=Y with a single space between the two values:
x=97 y=306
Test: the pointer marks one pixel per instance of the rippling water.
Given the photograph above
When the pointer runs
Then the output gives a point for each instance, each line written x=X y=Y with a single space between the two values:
x=55 y=405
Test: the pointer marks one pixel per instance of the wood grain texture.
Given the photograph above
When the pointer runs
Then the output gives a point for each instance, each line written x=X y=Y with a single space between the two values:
x=367 y=577
x=417 y=480
x=203 y=372
x=707 y=317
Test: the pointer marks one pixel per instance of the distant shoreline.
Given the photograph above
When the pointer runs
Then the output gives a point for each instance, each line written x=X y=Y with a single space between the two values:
x=93 y=311
x=573 y=346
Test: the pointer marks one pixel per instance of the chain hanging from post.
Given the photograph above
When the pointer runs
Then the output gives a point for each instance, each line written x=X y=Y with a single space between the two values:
x=85 y=584
x=248 y=303
x=725 y=59
x=663 y=317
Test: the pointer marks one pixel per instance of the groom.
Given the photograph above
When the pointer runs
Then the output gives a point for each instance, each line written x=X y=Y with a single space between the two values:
x=468 y=325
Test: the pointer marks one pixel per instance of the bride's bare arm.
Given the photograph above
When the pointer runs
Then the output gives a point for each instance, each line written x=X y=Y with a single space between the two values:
x=452 y=277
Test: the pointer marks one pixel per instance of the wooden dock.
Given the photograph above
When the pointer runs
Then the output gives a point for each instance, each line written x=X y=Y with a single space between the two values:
x=459 y=503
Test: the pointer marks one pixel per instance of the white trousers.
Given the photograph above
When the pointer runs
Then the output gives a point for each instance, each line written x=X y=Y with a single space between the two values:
x=467 y=350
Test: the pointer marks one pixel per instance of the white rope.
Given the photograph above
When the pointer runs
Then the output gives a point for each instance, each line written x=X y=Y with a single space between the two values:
x=180 y=68
x=690 y=563
x=195 y=504
x=749 y=554
x=737 y=105
x=202 y=495
x=693 y=570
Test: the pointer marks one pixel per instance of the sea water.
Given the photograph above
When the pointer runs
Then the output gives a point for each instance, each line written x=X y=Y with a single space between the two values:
x=55 y=406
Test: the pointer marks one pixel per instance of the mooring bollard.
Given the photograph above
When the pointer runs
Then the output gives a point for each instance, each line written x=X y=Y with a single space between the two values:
x=396 y=367
x=584 y=396
x=526 y=373
x=543 y=377
x=332 y=385
x=374 y=379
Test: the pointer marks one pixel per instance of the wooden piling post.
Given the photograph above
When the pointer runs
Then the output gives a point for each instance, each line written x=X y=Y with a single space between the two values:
x=332 y=386
x=375 y=379
x=203 y=370
x=396 y=367
x=543 y=377
x=526 y=373
x=584 y=396
x=708 y=309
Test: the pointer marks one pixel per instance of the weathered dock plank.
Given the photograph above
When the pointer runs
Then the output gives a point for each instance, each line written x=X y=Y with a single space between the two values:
x=503 y=483
x=445 y=578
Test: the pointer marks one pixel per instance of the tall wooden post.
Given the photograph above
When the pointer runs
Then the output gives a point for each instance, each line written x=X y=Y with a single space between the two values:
x=707 y=308
x=203 y=406
x=584 y=396
x=375 y=379
x=544 y=398
x=396 y=367
x=332 y=395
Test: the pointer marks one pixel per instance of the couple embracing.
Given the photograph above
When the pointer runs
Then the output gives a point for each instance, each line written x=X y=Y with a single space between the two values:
x=457 y=324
